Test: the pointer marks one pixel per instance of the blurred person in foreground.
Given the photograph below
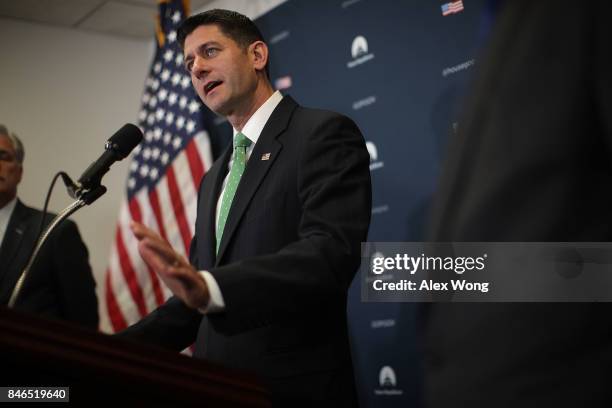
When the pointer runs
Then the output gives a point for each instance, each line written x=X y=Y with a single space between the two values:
x=532 y=162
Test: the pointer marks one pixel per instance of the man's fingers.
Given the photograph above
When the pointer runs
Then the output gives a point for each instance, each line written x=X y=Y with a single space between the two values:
x=163 y=250
x=141 y=232
x=155 y=243
x=152 y=257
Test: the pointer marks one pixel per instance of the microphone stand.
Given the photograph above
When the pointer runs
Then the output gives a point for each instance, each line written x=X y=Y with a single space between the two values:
x=85 y=198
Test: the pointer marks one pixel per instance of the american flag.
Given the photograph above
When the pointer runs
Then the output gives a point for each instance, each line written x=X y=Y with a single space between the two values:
x=452 y=7
x=283 y=83
x=164 y=176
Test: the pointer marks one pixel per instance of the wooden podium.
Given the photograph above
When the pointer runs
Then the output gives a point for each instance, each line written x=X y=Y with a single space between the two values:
x=101 y=369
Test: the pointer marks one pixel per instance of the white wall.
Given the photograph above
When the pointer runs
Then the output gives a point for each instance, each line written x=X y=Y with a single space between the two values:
x=64 y=92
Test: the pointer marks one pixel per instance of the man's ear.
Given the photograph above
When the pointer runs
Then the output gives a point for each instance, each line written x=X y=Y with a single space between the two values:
x=259 y=55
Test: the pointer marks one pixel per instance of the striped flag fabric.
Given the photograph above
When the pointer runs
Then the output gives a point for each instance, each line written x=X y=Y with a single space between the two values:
x=452 y=7
x=163 y=180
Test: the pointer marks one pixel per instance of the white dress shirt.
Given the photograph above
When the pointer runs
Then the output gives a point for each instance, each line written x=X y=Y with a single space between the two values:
x=252 y=129
x=5 y=217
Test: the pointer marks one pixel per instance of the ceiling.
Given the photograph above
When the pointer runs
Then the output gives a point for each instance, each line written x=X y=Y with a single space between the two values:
x=125 y=18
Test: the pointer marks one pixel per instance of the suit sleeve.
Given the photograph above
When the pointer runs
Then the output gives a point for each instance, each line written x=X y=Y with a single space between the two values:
x=313 y=272
x=75 y=281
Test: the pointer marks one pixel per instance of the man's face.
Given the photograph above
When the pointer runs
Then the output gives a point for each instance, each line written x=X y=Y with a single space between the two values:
x=10 y=169
x=222 y=73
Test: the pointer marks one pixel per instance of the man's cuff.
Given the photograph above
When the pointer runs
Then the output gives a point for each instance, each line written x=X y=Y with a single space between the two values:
x=215 y=303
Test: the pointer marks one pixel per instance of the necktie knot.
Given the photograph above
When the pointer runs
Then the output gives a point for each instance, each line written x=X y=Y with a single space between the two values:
x=241 y=140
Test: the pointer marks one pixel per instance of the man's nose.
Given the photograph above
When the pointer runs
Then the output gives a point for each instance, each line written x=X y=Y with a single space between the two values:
x=200 y=67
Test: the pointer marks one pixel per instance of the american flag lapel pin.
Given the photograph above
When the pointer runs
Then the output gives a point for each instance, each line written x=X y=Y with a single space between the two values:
x=265 y=156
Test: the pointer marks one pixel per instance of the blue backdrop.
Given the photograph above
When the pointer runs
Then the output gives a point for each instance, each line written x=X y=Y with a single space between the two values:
x=397 y=68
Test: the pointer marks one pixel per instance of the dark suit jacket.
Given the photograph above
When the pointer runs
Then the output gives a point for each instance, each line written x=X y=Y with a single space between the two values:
x=531 y=163
x=290 y=249
x=60 y=284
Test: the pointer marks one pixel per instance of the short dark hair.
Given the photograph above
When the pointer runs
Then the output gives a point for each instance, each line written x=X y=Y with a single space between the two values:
x=234 y=25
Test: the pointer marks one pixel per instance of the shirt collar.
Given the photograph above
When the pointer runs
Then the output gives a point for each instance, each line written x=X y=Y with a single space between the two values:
x=5 y=216
x=7 y=210
x=252 y=129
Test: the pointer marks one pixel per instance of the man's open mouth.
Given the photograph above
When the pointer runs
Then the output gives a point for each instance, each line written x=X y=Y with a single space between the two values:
x=211 y=85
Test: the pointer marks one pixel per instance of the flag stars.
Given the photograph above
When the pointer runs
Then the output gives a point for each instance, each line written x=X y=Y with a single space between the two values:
x=193 y=106
x=165 y=75
x=172 y=98
x=185 y=82
x=167 y=113
x=180 y=122
x=169 y=118
x=190 y=126
x=159 y=114
x=165 y=158
x=176 y=143
x=153 y=173
x=157 y=133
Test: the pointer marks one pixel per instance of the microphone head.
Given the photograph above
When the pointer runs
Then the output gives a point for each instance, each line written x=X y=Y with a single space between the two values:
x=124 y=140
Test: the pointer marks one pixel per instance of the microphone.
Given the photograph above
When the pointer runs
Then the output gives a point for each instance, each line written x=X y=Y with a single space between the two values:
x=86 y=190
x=116 y=148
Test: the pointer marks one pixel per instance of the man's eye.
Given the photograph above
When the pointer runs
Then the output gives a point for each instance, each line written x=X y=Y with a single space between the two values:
x=6 y=157
x=211 y=52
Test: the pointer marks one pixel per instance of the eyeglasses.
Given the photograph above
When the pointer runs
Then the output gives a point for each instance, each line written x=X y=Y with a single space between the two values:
x=7 y=156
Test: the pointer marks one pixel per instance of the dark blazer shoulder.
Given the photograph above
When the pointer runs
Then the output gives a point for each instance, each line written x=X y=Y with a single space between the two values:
x=23 y=213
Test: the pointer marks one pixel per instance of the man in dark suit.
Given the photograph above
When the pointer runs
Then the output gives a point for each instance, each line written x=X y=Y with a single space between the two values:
x=60 y=284
x=531 y=163
x=281 y=216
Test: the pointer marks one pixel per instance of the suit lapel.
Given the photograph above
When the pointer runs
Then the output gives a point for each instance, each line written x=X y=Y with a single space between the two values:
x=266 y=150
x=12 y=243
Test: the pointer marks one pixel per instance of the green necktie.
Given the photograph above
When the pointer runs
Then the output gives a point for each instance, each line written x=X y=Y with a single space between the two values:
x=240 y=146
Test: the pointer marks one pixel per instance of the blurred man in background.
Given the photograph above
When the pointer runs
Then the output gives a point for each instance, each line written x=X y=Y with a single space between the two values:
x=60 y=284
